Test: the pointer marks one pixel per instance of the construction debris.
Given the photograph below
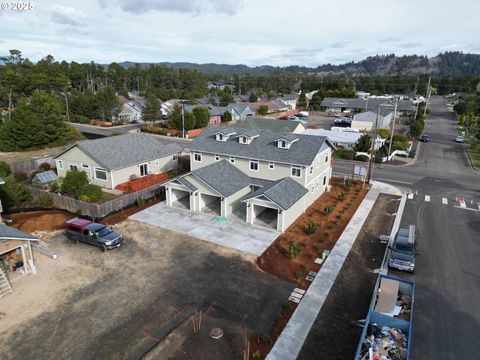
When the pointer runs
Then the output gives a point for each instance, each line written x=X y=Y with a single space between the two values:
x=384 y=343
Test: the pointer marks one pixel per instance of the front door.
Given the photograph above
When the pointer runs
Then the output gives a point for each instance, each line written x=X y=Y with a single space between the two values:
x=143 y=169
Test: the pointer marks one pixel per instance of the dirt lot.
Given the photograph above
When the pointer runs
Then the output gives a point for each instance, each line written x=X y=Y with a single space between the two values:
x=334 y=334
x=121 y=304
x=39 y=220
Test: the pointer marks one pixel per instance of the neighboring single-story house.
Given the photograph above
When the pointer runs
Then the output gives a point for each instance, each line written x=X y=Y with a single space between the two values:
x=16 y=256
x=272 y=124
x=366 y=121
x=346 y=139
x=111 y=161
x=355 y=105
x=132 y=110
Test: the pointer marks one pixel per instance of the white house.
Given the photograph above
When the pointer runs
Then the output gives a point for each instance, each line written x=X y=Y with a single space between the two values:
x=366 y=121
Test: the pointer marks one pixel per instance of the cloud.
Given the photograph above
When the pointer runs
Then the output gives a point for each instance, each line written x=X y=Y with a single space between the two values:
x=409 y=45
x=338 y=45
x=389 y=39
x=68 y=16
x=228 y=7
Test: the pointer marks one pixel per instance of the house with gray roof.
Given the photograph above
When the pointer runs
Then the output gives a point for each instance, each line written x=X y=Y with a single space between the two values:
x=257 y=175
x=369 y=104
x=271 y=124
x=114 y=160
x=367 y=120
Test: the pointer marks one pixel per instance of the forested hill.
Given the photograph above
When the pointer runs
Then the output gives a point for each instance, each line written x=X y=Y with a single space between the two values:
x=445 y=64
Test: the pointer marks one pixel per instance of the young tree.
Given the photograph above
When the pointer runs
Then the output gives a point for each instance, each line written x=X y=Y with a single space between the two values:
x=151 y=112
x=14 y=193
x=226 y=98
x=227 y=117
x=253 y=97
x=73 y=181
x=363 y=144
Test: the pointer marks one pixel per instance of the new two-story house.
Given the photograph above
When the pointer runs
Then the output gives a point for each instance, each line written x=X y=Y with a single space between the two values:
x=259 y=176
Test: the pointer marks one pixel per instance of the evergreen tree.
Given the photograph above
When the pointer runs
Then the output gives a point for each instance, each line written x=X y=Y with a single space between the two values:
x=363 y=144
x=202 y=116
x=151 y=112
x=302 y=100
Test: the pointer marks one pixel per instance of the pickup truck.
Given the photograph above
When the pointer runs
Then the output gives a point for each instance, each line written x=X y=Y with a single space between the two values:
x=86 y=231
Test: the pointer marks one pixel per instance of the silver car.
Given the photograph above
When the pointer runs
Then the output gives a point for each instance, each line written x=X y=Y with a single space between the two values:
x=459 y=139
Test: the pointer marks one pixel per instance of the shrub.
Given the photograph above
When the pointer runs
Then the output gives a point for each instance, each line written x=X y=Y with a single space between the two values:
x=363 y=158
x=90 y=193
x=343 y=153
x=14 y=193
x=43 y=201
x=54 y=187
x=312 y=227
x=328 y=210
x=293 y=250
x=297 y=274
x=4 y=169
x=256 y=354
x=73 y=181
x=44 y=166
x=341 y=196
x=140 y=201
x=317 y=247
x=384 y=133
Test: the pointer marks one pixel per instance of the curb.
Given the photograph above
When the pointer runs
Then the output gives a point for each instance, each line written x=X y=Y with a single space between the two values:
x=291 y=340
x=470 y=160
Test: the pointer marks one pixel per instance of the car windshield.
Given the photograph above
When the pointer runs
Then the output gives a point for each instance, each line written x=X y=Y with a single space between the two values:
x=104 y=231
x=403 y=248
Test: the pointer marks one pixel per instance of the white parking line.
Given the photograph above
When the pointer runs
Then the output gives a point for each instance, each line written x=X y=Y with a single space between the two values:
x=444 y=201
x=427 y=198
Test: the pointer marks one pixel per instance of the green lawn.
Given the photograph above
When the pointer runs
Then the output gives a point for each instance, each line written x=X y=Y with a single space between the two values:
x=474 y=152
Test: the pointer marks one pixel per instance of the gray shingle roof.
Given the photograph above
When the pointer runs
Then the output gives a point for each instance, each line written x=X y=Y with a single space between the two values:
x=249 y=133
x=187 y=183
x=268 y=124
x=223 y=177
x=8 y=232
x=288 y=137
x=264 y=147
x=117 y=152
x=284 y=192
x=367 y=104
x=226 y=131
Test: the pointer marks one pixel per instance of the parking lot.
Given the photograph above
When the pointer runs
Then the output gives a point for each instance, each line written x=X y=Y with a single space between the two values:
x=123 y=303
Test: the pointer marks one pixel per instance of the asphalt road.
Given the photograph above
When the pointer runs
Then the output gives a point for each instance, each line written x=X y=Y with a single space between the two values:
x=446 y=320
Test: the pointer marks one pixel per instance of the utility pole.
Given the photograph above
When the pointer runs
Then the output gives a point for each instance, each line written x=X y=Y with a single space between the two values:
x=183 y=120
x=66 y=105
x=427 y=95
x=10 y=106
x=372 y=153
x=393 y=129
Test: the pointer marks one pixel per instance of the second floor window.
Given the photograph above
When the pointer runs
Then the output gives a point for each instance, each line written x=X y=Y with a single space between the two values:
x=254 y=165
x=296 y=171
x=217 y=157
x=197 y=157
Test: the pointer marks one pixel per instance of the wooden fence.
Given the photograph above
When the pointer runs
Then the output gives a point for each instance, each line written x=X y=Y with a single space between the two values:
x=27 y=166
x=98 y=211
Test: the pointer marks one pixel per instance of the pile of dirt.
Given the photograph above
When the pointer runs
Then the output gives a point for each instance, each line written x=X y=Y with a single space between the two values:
x=32 y=221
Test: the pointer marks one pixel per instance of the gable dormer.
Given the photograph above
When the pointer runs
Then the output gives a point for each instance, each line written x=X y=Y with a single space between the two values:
x=286 y=141
x=224 y=134
x=247 y=137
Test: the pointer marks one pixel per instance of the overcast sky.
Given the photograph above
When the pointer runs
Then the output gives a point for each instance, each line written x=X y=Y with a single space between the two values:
x=252 y=32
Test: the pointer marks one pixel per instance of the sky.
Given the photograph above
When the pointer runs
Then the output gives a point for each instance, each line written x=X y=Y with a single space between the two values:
x=251 y=32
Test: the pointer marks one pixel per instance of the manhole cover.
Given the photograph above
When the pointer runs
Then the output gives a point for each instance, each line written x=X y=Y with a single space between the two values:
x=216 y=333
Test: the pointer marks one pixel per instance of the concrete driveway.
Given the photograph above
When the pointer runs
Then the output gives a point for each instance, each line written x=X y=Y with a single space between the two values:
x=234 y=234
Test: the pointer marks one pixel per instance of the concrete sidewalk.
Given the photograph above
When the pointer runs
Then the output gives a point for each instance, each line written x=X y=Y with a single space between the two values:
x=238 y=235
x=293 y=336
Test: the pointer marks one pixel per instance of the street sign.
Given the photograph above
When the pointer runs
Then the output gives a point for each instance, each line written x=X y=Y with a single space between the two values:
x=360 y=170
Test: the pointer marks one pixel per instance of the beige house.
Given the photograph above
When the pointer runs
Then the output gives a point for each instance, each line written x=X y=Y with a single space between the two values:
x=111 y=161
x=260 y=176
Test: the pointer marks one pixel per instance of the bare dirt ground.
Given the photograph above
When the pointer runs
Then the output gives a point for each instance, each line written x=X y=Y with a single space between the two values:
x=334 y=334
x=11 y=157
x=123 y=303
x=32 y=221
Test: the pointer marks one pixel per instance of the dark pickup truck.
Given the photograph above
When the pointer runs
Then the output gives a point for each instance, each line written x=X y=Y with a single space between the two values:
x=86 y=231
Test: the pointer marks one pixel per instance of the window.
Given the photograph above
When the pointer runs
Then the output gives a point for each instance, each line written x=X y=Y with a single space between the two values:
x=100 y=174
x=296 y=171
x=318 y=162
x=254 y=165
x=326 y=159
x=197 y=157
x=271 y=165
x=324 y=180
x=220 y=137
x=175 y=157
x=217 y=157
x=311 y=170
x=85 y=166
x=143 y=169
x=73 y=167
x=232 y=159
x=157 y=162
x=282 y=144
x=243 y=140
x=60 y=164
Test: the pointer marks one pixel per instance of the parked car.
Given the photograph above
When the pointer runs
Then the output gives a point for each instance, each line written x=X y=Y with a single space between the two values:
x=424 y=138
x=404 y=250
x=283 y=118
x=86 y=231
x=302 y=114
x=293 y=118
x=459 y=139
